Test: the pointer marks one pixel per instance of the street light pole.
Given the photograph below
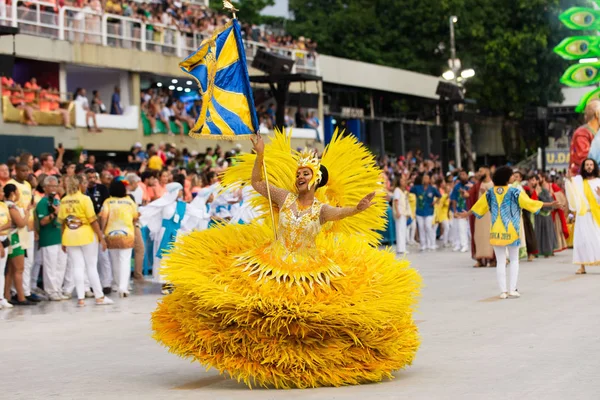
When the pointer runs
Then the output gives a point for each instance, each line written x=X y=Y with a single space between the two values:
x=454 y=68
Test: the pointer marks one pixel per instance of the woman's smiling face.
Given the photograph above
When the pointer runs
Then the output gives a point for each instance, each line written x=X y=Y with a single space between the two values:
x=303 y=177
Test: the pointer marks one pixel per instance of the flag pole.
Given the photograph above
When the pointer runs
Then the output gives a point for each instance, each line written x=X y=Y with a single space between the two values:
x=269 y=196
x=229 y=7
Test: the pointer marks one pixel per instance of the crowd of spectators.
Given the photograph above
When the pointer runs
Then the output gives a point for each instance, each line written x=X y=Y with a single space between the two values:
x=188 y=18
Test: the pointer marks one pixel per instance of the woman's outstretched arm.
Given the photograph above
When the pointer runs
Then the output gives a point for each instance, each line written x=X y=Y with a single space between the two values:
x=258 y=182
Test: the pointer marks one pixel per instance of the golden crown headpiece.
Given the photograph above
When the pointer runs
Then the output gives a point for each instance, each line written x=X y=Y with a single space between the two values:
x=309 y=159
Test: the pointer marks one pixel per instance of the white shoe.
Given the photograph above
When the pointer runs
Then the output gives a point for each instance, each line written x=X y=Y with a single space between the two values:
x=89 y=294
x=66 y=296
x=514 y=293
x=105 y=302
x=503 y=295
x=456 y=249
x=5 y=304
x=464 y=249
x=56 y=297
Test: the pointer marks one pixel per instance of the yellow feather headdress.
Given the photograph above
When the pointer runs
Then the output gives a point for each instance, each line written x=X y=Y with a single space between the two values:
x=353 y=173
x=309 y=159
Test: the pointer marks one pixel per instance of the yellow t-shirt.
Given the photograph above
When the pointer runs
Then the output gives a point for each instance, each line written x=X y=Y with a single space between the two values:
x=504 y=205
x=25 y=196
x=77 y=213
x=412 y=200
x=119 y=213
x=441 y=208
x=4 y=218
x=155 y=163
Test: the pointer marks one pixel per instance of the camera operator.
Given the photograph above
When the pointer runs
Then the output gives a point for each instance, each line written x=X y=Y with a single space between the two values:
x=53 y=258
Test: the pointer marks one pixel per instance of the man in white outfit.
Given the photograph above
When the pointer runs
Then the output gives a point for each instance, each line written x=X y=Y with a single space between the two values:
x=583 y=194
x=50 y=236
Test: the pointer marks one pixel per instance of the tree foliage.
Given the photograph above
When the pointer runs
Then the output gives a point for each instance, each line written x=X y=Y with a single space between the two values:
x=508 y=42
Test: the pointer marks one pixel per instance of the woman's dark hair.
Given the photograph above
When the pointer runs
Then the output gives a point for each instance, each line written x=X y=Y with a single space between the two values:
x=179 y=178
x=324 y=176
x=502 y=176
x=584 y=174
x=117 y=189
x=418 y=180
x=8 y=190
x=147 y=175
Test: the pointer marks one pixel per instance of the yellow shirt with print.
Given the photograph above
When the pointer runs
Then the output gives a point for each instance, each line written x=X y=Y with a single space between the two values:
x=118 y=214
x=4 y=218
x=442 y=207
x=77 y=213
x=507 y=199
x=412 y=201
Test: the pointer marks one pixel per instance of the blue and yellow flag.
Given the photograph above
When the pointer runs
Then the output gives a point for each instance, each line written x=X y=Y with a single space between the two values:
x=219 y=67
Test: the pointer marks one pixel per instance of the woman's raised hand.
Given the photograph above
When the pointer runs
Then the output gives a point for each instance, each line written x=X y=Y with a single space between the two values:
x=366 y=202
x=258 y=145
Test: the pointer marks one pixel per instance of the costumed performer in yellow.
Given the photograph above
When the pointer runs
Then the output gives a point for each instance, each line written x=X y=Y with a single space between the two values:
x=319 y=305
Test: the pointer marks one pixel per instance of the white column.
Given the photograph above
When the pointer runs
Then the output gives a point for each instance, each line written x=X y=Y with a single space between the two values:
x=62 y=78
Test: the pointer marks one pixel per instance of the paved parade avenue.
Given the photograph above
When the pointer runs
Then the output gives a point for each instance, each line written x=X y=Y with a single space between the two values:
x=544 y=345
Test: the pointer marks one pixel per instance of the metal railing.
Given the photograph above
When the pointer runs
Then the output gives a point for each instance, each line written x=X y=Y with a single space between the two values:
x=87 y=26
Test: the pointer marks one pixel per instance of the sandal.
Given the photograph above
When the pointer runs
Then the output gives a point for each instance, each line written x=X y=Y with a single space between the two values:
x=581 y=271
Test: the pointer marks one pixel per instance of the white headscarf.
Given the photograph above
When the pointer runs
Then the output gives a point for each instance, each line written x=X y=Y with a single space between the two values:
x=151 y=215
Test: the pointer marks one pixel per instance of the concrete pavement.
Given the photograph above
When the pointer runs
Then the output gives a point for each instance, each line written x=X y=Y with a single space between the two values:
x=544 y=345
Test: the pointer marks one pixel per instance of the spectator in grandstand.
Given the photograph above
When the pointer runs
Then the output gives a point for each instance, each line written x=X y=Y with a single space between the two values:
x=31 y=91
x=17 y=98
x=97 y=106
x=182 y=115
x=49 y=101
x=300 y=118
x=81 y=99
x=173 y=116
x=115 y=102
x=164 y=115
x=289 y=120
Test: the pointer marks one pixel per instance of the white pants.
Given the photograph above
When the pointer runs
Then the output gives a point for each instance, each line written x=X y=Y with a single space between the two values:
x=69 y=281
x=29 y=266
x=3 y=261
x=513 y=253
x=37 y=264
x=156 y=276
x=426 y=232
x=104 y=268
x=401 y=235
x=85 y=258
x=120 y=260
x=55 y=267
x=462 y=234
x=412 y=231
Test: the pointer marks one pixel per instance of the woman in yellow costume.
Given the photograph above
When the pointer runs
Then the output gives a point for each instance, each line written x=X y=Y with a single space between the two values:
x=318 y=305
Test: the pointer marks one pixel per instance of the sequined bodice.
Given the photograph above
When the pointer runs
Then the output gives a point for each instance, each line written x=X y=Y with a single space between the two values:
x=298 y=229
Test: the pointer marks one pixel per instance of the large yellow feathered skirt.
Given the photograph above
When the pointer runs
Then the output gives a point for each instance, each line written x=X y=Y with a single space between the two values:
x=356 y=329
